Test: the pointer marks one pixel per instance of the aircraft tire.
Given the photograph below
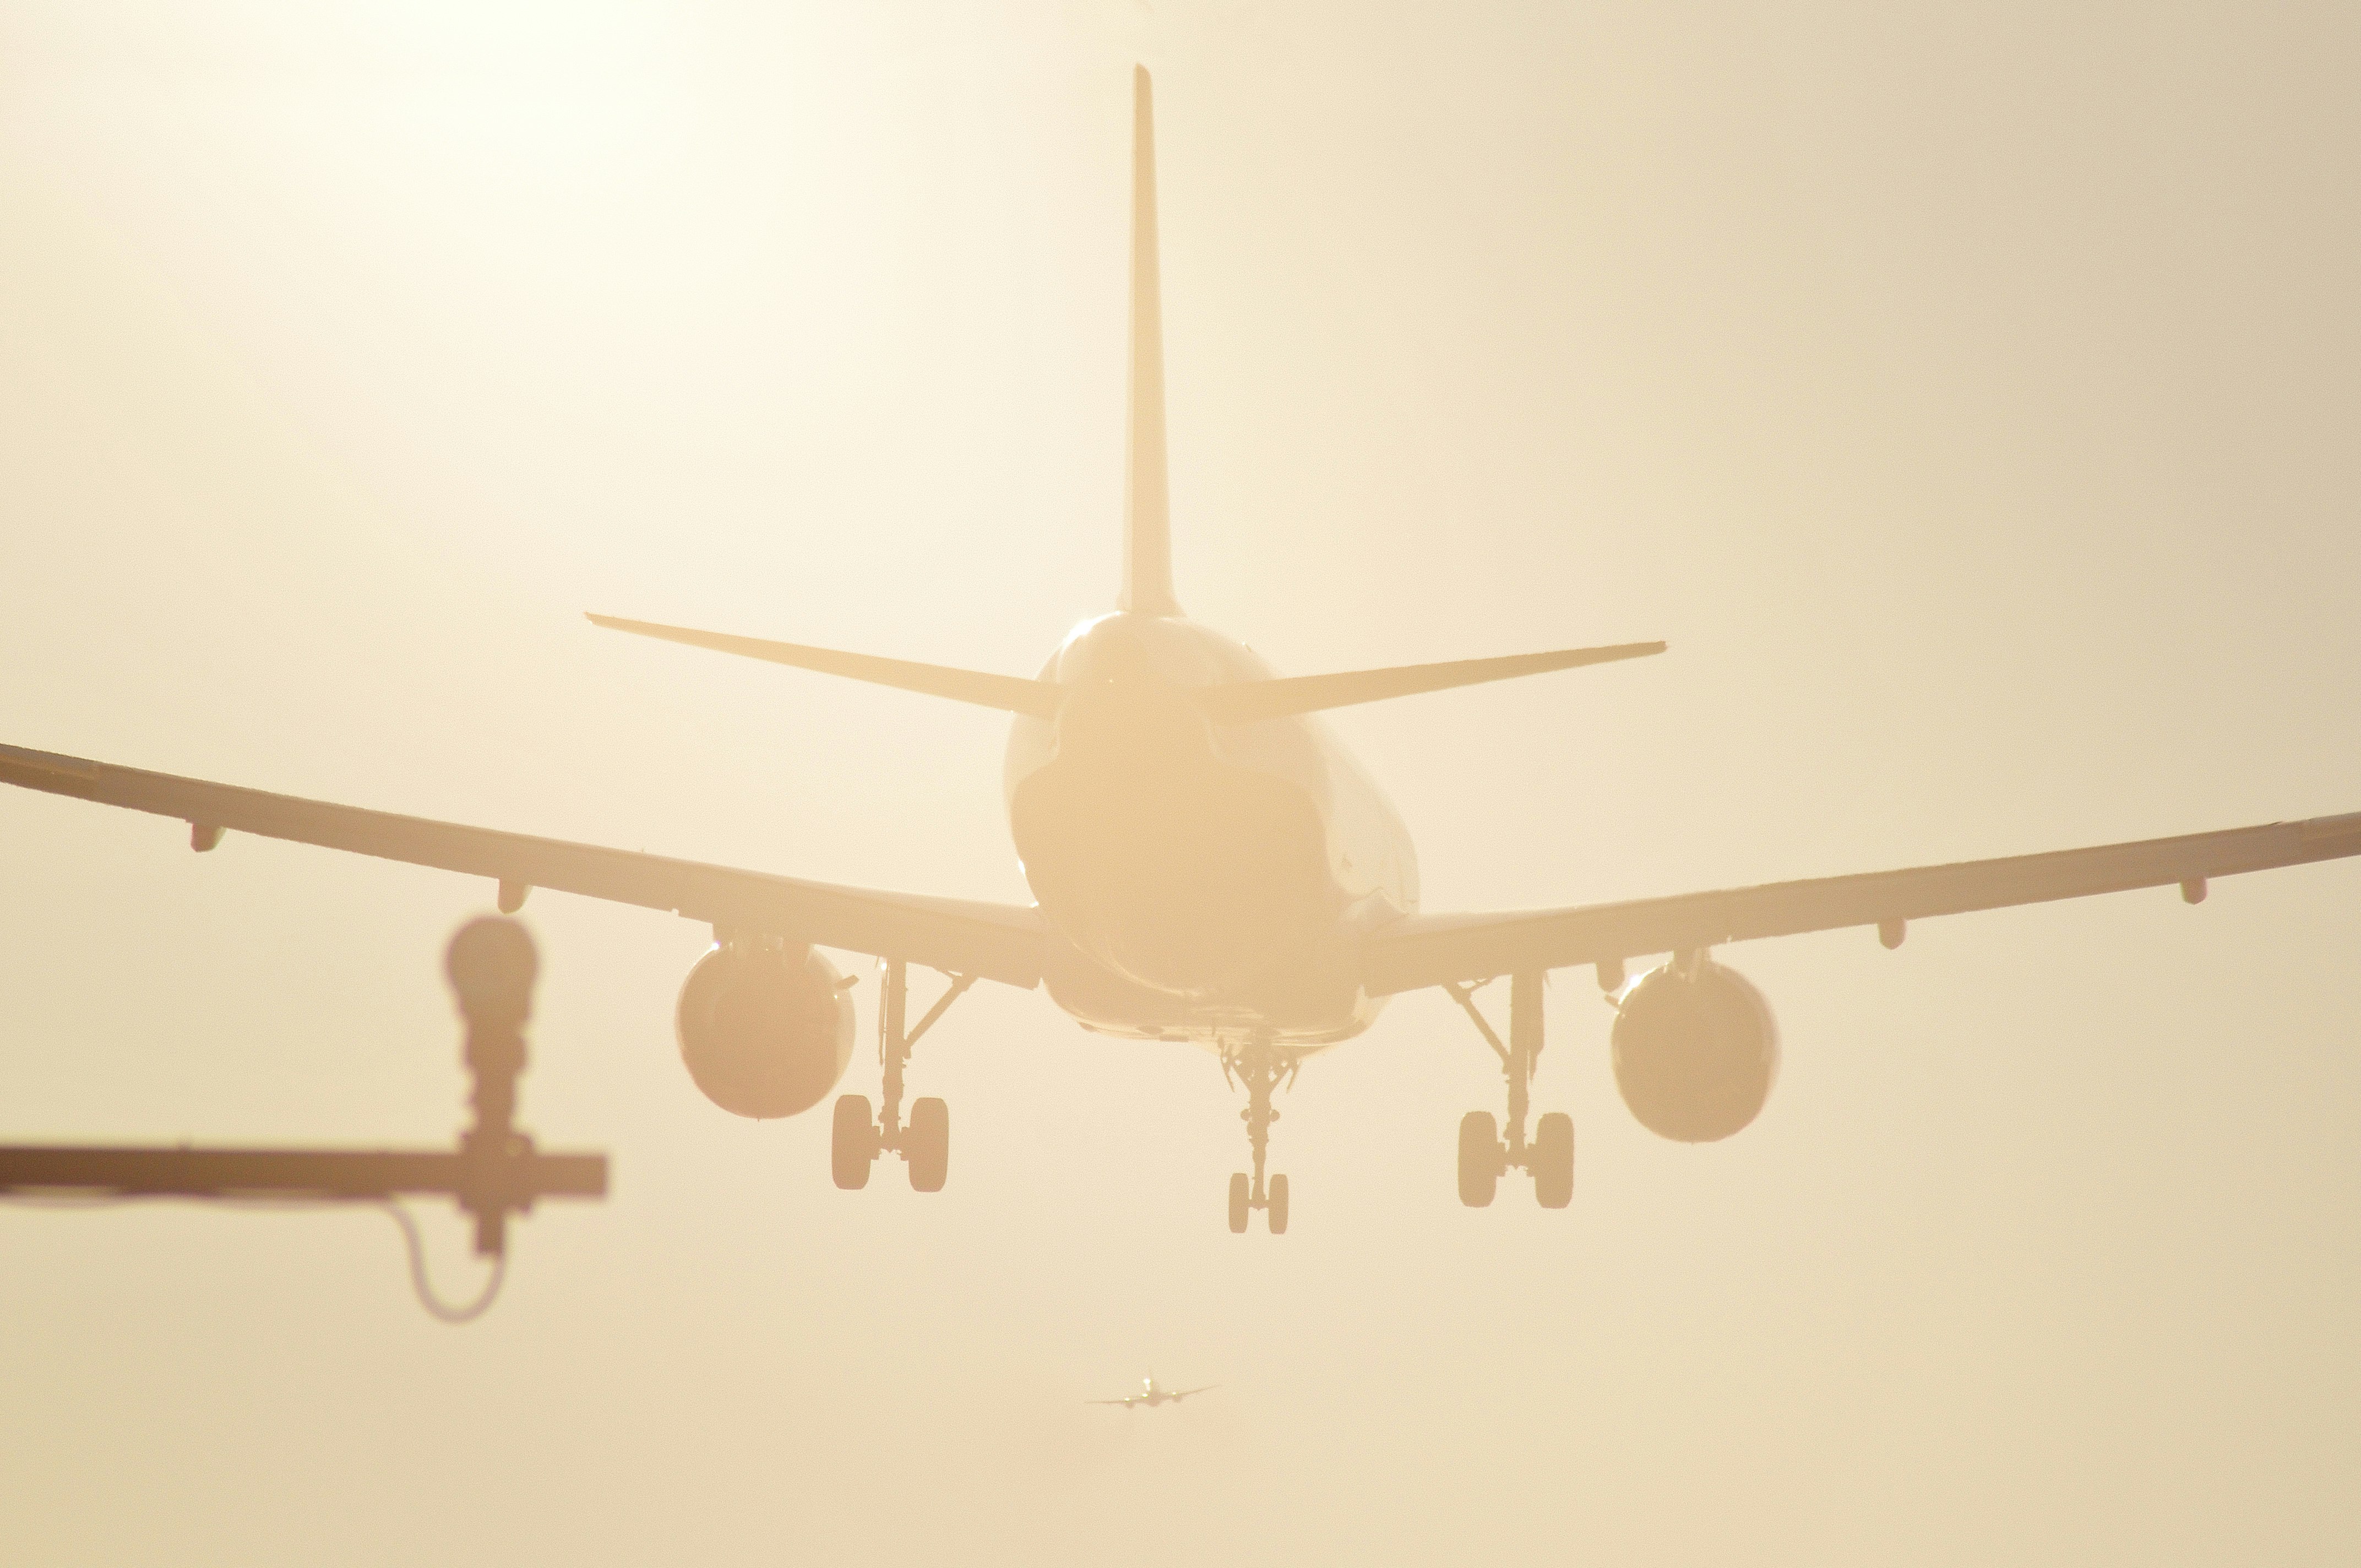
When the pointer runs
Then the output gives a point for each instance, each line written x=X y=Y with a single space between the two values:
x=1554 y=1160
x=852 y=1145
x=1238 y=1195
x=1275 y=1212
x=1480 y=1159
x=930 y=1144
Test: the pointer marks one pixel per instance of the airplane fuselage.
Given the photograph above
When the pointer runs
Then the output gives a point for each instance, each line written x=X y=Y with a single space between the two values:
x=1207 y=882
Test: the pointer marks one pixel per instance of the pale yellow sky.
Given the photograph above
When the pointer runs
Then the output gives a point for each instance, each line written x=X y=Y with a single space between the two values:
x=1969 y=399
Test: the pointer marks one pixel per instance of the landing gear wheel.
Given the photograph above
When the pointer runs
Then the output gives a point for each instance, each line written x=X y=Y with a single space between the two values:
x=1480 y=1159
x=1553 y=1160
x=930 y=1143
x=1274 y=1210
x=1238 y=1195
x=853 y=1147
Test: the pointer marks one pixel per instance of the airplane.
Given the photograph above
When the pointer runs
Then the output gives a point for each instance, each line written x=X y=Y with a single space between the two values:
x=1208 y=865
x=1151 y=1395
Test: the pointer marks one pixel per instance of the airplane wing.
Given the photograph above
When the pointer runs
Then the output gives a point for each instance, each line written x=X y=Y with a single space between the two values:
x=1433 y=950
x=1180 y=1394
x=1133 y=1401
x=993 y=941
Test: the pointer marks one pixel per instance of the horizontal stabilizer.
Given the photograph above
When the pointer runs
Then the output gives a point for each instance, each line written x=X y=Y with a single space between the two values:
x=1010 y=694
x=1251 y=700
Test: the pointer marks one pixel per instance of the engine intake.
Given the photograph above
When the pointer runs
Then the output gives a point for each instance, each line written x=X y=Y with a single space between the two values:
x=764 y=1031
x=1695 y=1055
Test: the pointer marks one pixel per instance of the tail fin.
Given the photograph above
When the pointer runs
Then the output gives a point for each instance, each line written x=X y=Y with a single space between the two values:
x=1147 y=522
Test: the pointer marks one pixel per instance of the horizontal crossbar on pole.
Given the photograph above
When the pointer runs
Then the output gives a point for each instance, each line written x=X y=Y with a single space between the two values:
x=506 y=1182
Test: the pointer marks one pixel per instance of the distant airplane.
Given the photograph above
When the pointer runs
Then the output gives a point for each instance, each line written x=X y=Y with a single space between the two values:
x=1151 y=1395
x=1208 y=865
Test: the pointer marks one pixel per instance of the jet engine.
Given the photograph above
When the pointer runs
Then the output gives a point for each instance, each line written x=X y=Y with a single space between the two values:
x=1695 y=1054
x=765 y=1031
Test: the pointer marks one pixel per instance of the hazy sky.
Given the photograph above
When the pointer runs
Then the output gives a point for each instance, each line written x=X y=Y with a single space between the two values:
x=1968 y=398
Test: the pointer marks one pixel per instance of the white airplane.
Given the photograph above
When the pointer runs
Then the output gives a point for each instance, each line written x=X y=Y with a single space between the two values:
x=1151 y=1395
x=1208 y=865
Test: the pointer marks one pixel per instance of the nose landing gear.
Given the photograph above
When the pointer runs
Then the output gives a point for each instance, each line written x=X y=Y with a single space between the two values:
x=1484 y=1155
x=1261 y=1070
x=925 y=1143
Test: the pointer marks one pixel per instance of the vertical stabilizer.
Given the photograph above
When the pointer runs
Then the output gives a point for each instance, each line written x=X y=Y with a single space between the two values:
x=1147 y=522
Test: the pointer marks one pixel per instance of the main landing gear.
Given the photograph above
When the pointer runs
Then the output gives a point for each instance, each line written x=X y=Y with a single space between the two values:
x=925 y=1143
x=1261 y=1069
x=1484 y=1155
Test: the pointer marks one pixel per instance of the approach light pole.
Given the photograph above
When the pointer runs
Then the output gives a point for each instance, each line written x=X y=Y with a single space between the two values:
x=495 y=1172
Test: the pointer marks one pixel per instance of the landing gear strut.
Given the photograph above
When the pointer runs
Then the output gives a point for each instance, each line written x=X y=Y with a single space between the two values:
x=1261 y=1070
x=1484 y=1155
x=925 y=1143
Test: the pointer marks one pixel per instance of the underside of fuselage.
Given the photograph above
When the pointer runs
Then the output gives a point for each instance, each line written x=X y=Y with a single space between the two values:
x=1209 y=881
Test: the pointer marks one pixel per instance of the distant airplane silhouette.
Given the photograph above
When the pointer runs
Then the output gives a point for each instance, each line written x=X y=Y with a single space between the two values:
x=1208 y=865
x=1151 y=1395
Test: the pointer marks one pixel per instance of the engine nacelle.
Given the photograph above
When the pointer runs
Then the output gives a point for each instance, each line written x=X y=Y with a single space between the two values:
x=1695 y=1055
x=764 y=1031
